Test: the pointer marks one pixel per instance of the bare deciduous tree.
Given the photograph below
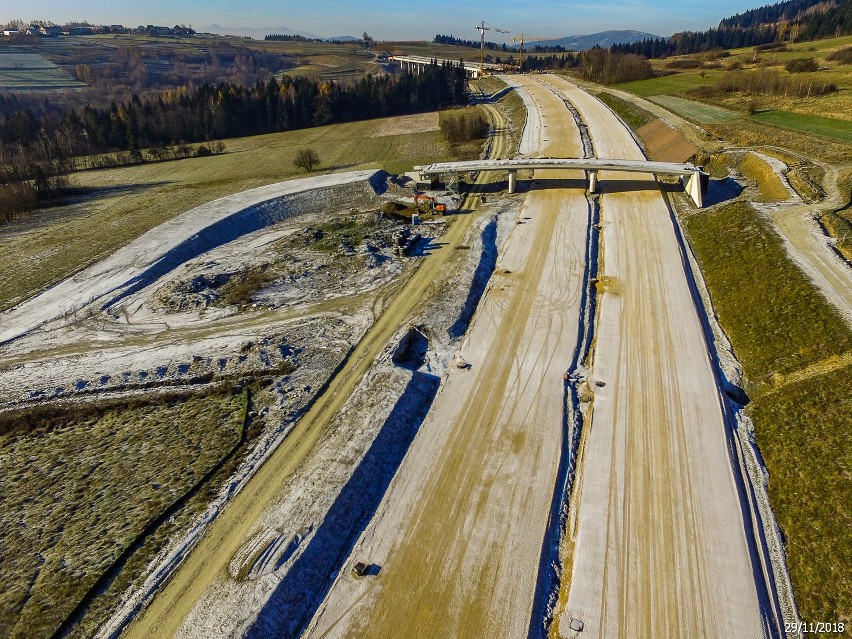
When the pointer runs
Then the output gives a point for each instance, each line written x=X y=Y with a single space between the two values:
x=306 y=159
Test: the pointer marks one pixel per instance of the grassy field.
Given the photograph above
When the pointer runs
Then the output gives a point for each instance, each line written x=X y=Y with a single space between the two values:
x=803 y=433
x=840 y=130
x=126 y=202
x=710 y=68
x=32 y=72
x=776 y=319
x=791 y=343
x=749 y=132
x=669 y=84
x=694 y=111
x=74 y=495
x=635 y=116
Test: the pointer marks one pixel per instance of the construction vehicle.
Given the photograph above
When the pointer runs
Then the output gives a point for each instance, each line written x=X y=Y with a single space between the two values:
x=433 y=206
x=482 y=28
x=421 y=197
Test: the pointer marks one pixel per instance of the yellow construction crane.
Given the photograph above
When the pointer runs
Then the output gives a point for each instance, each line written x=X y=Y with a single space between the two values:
x=482 y=28
x=525 y=38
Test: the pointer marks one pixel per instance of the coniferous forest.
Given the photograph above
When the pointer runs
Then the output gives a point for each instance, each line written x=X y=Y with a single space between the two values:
x=35 y=152
x=790 y=21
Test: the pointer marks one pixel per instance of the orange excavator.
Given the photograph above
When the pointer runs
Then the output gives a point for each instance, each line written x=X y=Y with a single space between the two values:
x=421 y=197
x=439 y=208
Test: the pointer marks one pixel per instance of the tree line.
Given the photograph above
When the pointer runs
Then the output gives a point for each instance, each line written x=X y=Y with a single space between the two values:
x=790 y=21
x=603 y=66
x=493 y=46
x=35 y=152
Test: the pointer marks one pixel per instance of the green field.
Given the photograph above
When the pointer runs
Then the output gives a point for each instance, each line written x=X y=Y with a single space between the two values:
x=803 y=433
x=635 y=116
x=123 y=203
x=694 y=111
x=800 y=48
x=669 y=84
x=690 y=93
x=74 y=495
x=32 y=72
x=840 y=130
x=794 y=349
x=776 y=319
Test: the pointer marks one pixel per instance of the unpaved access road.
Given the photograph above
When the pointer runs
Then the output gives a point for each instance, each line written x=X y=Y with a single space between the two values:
x=658 y=540
x=459 y=535
x=807 y=245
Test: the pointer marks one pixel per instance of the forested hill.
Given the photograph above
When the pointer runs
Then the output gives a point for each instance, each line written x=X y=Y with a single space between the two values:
x=35 y=153
x=811 y=14
x=793 y=20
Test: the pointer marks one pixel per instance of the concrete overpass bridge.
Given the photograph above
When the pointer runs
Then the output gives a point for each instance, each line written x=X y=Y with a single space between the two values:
x=689 y=174
x=416 y=64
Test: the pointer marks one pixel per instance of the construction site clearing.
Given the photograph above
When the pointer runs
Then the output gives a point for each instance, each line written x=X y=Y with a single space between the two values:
x=285 y=302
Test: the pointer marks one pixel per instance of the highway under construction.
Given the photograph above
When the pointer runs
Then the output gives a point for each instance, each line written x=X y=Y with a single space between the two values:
x=567 y=466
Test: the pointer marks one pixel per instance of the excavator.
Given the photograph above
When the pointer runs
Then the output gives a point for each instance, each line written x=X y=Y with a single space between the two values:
x=430 y=201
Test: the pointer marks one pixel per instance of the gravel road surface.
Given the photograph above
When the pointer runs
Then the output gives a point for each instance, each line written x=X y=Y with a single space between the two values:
x=459 y=535
x=659 y=543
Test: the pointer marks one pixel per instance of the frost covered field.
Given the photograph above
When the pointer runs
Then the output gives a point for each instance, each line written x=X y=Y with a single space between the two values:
x=32 y=72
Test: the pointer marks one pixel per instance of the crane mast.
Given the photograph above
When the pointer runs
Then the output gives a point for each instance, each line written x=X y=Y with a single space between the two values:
x=482 y=28
x=525 y=38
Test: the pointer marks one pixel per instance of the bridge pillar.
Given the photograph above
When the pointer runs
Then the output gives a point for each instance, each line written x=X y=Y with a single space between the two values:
x=593 y=181
x=513 y=177
x=693 y=188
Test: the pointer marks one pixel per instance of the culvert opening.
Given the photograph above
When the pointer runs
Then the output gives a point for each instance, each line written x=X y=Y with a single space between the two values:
x=411 y=351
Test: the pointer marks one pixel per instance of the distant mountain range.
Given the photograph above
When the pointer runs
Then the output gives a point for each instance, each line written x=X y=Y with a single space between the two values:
x=604 y=39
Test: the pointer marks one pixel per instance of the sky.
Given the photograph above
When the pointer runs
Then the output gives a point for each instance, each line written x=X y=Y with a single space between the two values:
x=392 y=20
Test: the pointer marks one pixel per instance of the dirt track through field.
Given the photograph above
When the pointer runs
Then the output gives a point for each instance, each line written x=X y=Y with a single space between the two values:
x=459 y=535
x=659 y=544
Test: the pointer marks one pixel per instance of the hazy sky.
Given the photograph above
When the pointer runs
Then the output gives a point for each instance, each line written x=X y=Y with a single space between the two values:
x=398 y=19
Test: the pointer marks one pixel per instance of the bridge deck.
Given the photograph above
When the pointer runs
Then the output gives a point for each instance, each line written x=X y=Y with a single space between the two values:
x=589 y=164
x=690 y=174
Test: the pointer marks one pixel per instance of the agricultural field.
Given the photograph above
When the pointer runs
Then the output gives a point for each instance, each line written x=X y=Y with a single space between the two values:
x=73 y=495
x=840 y=130
x=114 y=67
x=32 y=72
x=796 y=354
x=694 y=111
x=696 y=84
x=120 y=204
x=670 y=84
